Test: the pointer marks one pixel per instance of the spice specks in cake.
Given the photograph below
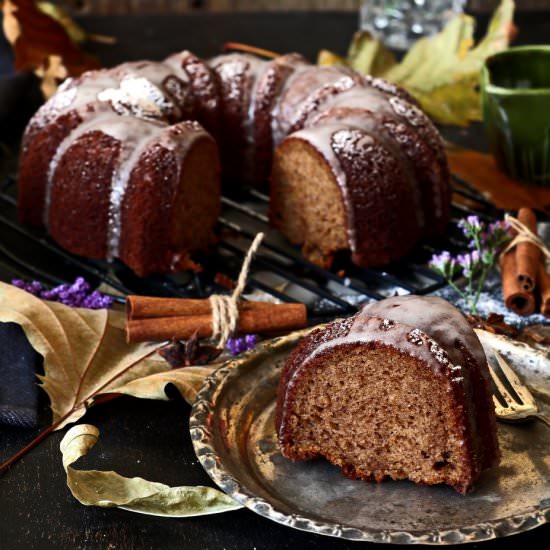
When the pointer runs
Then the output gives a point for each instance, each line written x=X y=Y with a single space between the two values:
x=386 y=324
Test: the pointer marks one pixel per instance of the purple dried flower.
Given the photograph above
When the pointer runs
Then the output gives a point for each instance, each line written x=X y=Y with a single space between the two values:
x=471 y=226
x=96 y=300
x=469 y=262
x=250 y=340
x=236 y=346
x=444 y=263
x=34 y=287
x=473 y=221
x=485 y=243
x=75 y=295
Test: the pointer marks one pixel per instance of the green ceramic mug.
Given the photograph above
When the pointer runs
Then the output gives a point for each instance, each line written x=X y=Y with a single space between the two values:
x=515 y=99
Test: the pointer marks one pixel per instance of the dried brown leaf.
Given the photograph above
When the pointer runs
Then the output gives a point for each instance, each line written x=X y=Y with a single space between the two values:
x=187 y=380
x=109 y=489
x=42 y=44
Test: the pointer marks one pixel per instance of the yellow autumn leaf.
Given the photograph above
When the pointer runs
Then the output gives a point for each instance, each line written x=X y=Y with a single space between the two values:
x=369 y=56
x=326 y=57
x=75 y=31
x=10 y=25
x=441 y=71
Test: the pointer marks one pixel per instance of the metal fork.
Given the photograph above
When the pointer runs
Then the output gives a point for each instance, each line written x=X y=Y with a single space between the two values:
x=515 y=410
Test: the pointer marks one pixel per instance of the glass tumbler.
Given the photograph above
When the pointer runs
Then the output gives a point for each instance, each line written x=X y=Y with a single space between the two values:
x=398 y=23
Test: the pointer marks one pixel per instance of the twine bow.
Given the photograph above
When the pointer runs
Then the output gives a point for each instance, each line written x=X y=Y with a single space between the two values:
x=225 y=310
x=524 y=235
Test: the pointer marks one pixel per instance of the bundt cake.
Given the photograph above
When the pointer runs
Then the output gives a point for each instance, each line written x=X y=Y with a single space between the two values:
x=400 y=390
x=116 y=165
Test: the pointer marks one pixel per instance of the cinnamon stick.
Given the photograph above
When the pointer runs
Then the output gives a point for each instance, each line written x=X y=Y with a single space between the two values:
x=528 y=255
x=544 y=290
x=142 y=307
x=271 y=318
x=515 y=297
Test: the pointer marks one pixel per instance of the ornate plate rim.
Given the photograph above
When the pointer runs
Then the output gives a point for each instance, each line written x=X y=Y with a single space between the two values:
x=201 y=437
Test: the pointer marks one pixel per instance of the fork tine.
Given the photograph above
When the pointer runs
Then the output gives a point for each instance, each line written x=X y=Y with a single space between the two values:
x=523 y=393
x=499 y=409
x=505 y=394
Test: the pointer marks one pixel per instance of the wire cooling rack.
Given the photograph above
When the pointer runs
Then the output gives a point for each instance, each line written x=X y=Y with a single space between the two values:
x=278 y=270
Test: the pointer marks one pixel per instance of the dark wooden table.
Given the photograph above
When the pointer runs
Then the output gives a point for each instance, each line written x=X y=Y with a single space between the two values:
x=151 y=439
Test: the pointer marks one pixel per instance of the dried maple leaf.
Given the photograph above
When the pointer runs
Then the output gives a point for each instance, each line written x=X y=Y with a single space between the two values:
x=36 y=38
x=87 y=359
x=188 y=382
x=85 y=351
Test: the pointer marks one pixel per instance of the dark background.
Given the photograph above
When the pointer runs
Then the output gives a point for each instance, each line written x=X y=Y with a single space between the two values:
x=151 y=439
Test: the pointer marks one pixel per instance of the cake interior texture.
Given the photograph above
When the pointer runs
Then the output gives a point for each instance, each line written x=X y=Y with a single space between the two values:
x=403 y=427
x=310 y=215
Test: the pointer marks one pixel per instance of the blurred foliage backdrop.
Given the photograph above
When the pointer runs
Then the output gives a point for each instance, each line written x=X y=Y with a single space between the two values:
x=166 y=6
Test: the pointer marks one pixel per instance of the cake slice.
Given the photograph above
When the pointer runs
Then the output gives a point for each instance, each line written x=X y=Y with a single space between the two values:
x=339 y=187
x=399 y=391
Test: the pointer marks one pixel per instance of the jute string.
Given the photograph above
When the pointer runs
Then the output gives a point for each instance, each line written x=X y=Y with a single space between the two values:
x=524 y=235
x=225 y=309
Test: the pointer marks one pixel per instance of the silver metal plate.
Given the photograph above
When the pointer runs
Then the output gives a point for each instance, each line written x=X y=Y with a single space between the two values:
x=232 y=427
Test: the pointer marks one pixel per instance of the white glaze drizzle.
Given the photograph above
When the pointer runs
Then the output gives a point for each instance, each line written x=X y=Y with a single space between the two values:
x=256 y=70
x=278 y=130
x=178 y=138
x=90 y=122
x=365 y=330
x=136 y=136
x=394 y=107
x=434 y=316
x=424 y=327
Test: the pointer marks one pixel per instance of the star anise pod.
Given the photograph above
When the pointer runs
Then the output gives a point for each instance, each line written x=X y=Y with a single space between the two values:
x=185 y=353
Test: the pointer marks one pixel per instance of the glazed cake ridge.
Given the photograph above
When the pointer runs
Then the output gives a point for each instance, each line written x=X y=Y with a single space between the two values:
x=249 y=105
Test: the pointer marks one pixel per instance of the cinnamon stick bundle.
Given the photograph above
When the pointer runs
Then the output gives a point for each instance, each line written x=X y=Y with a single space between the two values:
x=525 y=281
x=544 y=289
x=176 y=318
x=528 y=255
x=143 y=307
x=516 y=297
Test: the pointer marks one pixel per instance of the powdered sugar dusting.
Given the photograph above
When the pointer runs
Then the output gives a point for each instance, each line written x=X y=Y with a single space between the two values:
x=439 y=353
x=139 y=97
x=415 y=337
